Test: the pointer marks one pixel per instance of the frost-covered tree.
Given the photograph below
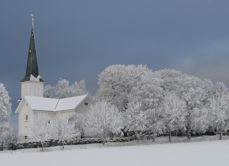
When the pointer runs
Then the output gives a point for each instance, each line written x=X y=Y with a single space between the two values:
x=145 y=97
x=78 y=121
x=154 y=120
x=219 y=109
x=65 y=89
x=45 y=131
x=117 y=81
x=195 y=92
x=173 y=113
x=139 y=93
x=5 y=111
x=66 y=130
x=149 y=93
x=103 y=120
x=12 y=139
x=134 y=118
x=195 y=97
x=171 y=79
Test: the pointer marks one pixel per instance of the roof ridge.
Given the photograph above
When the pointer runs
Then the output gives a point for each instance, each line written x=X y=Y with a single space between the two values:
x=75 y=96
x=57 y=104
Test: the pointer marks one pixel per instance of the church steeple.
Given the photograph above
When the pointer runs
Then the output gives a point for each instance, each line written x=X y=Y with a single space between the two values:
x=32 y=84
x=32 y=65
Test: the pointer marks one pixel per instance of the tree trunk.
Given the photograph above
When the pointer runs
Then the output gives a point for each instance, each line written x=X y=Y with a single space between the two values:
x=188 y=126
x=62 y=144
x=2 y=146
x=221 y=132
x=220 y=135
x=104 y=140
x=104 y=137
x=189 y=120
x=170 y=140
x=42 y=146
x=125 y=132
x=153 y=138
x=82 y=133
x=189 y=134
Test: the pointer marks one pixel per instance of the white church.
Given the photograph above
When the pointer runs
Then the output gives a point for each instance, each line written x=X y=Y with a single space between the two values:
x=34 y=106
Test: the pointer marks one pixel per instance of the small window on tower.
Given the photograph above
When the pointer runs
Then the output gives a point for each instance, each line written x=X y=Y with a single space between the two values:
x=26 y=137
x=86 y=103
x=26 y=117
x=49 y=122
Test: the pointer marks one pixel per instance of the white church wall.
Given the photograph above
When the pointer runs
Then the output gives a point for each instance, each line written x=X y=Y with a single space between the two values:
x=49 y=116
x=65 y=115
x=32 y=88
x=84 y=106
x=25 y=121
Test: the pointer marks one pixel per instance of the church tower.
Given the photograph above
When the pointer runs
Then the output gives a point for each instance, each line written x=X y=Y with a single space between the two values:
x=32 y=84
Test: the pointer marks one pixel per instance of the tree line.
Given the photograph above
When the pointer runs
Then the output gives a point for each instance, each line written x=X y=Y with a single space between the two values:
x=134 y=100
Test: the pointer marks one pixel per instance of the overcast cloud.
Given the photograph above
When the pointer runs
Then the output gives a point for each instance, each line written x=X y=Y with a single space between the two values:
x=77 y=39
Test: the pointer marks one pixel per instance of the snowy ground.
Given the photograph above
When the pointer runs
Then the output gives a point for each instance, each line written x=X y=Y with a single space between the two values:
x=209 y=153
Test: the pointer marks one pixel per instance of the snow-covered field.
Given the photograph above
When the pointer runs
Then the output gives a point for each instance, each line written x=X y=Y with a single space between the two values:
x=210 y=153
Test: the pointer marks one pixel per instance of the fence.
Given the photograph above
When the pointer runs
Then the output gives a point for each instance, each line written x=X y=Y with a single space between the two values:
x=51 y=143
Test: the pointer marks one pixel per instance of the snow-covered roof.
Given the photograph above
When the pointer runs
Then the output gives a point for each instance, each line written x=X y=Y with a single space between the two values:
x=50 y=104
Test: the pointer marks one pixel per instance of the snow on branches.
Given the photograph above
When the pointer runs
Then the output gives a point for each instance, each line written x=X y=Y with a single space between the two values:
x=5 y=111
x=173 y=109
x=164 y=101
x=64 y=89
x=103 y=120
x=117 y=81
x=219 y=109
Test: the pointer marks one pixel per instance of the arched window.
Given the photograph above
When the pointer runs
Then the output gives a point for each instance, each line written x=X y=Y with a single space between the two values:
x=26 y=117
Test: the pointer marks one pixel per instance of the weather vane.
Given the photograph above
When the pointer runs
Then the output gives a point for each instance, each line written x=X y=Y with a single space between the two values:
x=32 y=15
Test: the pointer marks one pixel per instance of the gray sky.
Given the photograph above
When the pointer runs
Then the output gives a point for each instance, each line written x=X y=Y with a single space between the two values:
x=77 y=39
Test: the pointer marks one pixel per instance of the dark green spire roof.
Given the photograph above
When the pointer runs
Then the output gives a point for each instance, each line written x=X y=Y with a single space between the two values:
x=32 y=65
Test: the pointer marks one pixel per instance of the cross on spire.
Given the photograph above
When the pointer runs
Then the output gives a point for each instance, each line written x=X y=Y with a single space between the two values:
x=32 y=15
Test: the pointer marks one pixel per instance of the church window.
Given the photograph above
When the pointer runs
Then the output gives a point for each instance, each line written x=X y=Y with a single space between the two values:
x=26 y=117
x=26 y=137
x=86 y=103
x=49 y=122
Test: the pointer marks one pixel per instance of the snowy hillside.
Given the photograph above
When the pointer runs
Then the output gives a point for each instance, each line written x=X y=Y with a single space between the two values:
x=188 y=154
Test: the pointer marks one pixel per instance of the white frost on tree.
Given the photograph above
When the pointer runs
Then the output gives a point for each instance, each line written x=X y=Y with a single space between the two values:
x=173 y=113
x=45 y=131
x=66 y=130
x=103 y=120
x=65 y=89
x=5 y=111
x=116 y=83
x=195 y=97
x=149 y=93
x=195 y=92
x=134 y=118
x=219 y=109
x=139 y=94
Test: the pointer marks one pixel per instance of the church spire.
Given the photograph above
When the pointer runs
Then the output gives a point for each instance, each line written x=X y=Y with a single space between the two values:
x=32 y=65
